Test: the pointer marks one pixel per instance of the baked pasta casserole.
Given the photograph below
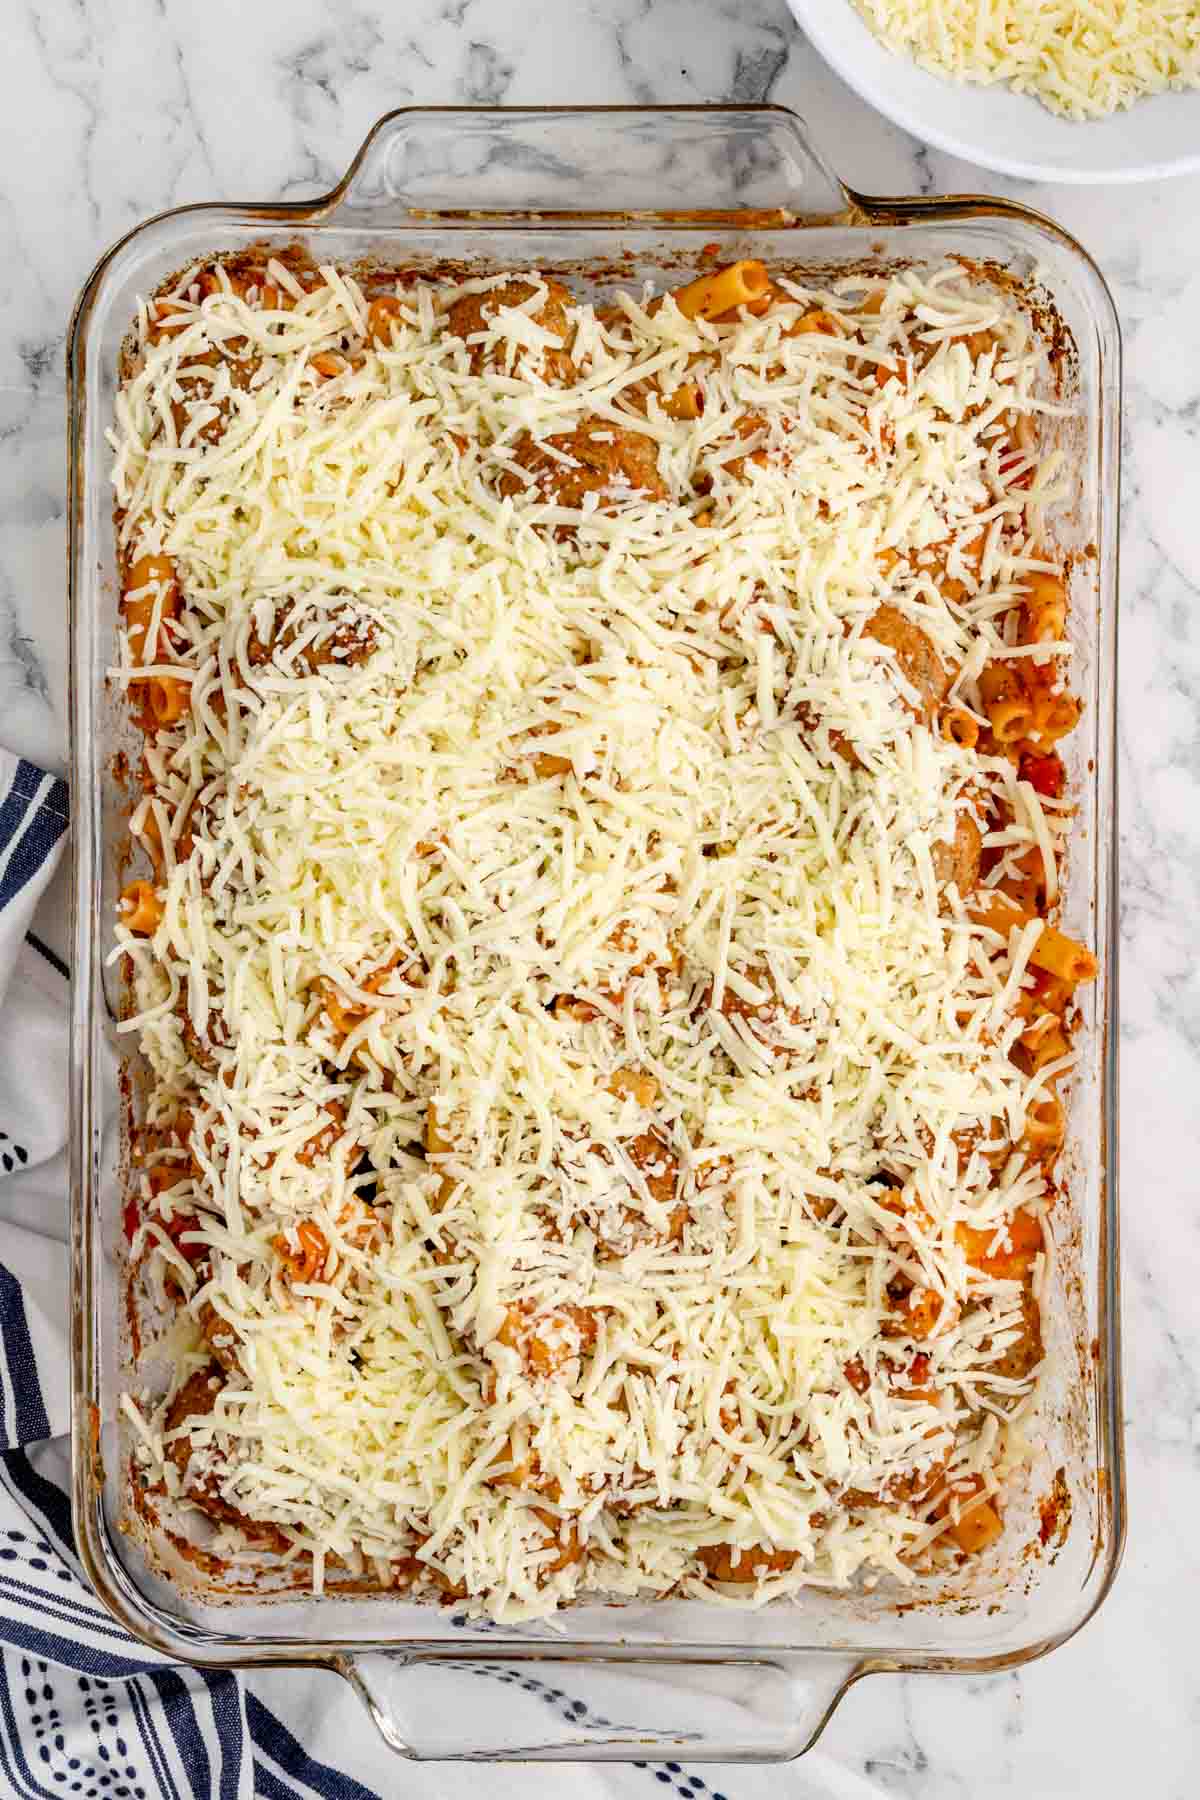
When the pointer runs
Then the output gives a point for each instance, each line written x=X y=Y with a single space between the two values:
x=600 y=1014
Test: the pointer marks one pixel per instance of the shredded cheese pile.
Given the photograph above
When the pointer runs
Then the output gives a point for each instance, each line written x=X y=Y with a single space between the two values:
x=576 y=1334
x=1083 y=61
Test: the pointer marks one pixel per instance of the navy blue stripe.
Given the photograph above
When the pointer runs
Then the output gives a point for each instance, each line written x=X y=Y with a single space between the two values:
x=140 y=1707
x=6 y=1769
x=227 y=1717
x=28 y=778
x=180 y=1715
x=33 y=1786
x=27 y=859
x=72 y=1653
x=35 y=830
x=13 y=808
x=268 y=1785
x=51 y=956
x=275 y=1740
x=172 y=1691
x=32 y=1421
x=45 y=1497
x=50 y=1603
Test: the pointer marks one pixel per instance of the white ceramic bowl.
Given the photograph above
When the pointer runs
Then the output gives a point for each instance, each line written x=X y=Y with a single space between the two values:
x=996 y=128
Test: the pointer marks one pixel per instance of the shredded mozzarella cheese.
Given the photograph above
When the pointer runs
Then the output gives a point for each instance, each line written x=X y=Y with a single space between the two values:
x=1084 y=61
x=484 y=798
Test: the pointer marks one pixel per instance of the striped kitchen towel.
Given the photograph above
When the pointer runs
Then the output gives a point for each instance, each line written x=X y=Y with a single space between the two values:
x=85 y=1709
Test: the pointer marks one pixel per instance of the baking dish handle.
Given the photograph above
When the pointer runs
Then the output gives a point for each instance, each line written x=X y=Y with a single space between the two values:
x=528 y=1705
x=680 y=164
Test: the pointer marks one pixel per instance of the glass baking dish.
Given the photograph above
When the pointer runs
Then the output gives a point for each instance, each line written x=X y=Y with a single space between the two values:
x=601 y=194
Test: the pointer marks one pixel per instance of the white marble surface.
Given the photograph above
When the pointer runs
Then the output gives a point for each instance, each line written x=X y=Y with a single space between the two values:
x=113 y=109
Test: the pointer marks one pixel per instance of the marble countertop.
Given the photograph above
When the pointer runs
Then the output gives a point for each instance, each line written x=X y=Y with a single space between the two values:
x=111 y=111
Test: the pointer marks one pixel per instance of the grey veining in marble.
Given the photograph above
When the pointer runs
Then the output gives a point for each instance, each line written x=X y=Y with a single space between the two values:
x=113 y=109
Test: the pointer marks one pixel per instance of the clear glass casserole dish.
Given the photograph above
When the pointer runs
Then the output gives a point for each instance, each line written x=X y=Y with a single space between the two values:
x=491 y=190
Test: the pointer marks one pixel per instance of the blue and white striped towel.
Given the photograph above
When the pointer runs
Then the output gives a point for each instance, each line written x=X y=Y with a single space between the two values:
x=86 y=1710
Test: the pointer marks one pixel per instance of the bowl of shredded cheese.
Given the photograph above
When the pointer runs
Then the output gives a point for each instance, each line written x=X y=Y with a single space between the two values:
x=1050 y=90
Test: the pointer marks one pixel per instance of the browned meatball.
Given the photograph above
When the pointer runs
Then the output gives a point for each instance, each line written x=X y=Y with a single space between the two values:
x=193 y=388
x=1024 y=1354
x=725 y=1563
x=659 y=1166
x=958 y=858
x=622 y=1228
x=195 y=1399
x=916 y=658
x=605 y=460
x=353 y=640
x=546 y=1342
x=220 y=1338
x=898 y=1490
x=471 y=314
x=216 y=1032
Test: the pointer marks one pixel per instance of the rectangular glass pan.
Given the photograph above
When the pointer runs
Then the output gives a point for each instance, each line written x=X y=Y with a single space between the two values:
x=635 y=192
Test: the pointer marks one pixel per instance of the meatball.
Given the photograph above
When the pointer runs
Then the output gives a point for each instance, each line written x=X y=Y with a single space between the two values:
x=957 y=859
x=354 y=641
x=731 y=1563
x=659 y=1167
x=195 y=1400
x=219 y=1337
x=604 y=460
x=470 y=315
x=657 y=1163
x=354 y=638
x=549 y=1341
x=195 y=389
x=916 y=658
x=1023 y=1355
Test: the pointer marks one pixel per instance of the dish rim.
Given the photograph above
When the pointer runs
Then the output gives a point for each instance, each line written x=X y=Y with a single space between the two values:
x=860 y=211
